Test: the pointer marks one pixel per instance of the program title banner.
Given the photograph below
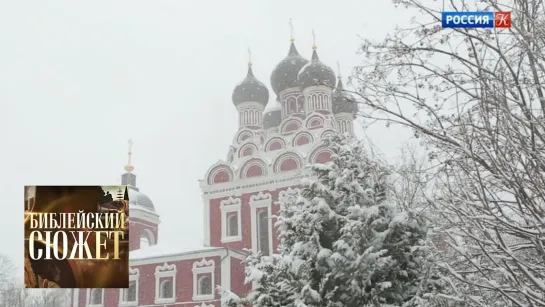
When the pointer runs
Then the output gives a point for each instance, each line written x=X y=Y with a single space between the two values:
x=76 y=237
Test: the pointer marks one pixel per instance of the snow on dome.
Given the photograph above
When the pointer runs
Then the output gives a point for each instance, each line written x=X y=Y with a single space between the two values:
x=343 y=101
x=139 y=200
x=284 y=75
x=316 y=73
x=160 y=250
x=250 y=90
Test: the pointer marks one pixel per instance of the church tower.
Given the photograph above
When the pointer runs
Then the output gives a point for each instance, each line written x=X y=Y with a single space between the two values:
x=266 y=161
x=143 y=220
x=284 y=82
x=250 y=98
x=317 y=80
x=344 y=107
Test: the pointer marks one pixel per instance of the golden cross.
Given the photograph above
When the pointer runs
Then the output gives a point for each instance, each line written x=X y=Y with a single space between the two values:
x=291 y=32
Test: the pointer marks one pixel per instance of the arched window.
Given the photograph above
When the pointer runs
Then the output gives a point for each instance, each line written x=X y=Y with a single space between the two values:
x=166 y=288
x=129 y=295
x=232 y=224
x=301 y=103
x=263 y=232
x=96 y=297
x=204 y=285
x=292 y=105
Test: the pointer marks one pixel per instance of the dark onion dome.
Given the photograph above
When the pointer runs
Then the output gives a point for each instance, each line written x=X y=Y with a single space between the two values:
x=316 y=73
x=284 y=75
x=343 y=101
x=250 y=90
x=272 y=116
x=139 y=199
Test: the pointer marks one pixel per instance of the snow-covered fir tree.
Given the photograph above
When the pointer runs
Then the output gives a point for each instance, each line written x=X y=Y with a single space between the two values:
x=344 y=242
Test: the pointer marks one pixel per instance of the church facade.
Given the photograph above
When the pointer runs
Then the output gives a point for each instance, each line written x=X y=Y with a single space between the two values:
x=241 y=193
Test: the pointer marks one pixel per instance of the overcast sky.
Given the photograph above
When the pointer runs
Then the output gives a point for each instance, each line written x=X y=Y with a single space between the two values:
x=77 y=79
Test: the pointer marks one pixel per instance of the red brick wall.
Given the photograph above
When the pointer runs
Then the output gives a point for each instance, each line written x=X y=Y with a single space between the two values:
x=238 y=275
x=136 y=228
x=246 y=223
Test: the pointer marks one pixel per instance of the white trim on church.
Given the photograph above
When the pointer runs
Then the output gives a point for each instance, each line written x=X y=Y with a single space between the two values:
x=231 y=213
x=163 y=275
x=134 y=276
x=259 y=201
x=204 y=280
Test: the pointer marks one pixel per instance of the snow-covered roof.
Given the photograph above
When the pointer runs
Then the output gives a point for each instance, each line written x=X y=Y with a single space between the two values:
x=161 y=250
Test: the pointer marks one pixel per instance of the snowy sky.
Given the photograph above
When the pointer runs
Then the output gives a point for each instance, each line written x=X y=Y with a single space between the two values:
x=78 y=79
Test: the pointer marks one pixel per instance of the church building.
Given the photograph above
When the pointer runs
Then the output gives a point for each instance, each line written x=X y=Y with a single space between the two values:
x=276 y=138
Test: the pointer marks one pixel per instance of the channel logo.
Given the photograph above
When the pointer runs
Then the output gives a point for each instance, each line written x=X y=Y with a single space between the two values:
x=465 y=20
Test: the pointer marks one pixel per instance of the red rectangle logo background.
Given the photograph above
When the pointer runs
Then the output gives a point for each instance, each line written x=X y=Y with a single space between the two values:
x=502 y=20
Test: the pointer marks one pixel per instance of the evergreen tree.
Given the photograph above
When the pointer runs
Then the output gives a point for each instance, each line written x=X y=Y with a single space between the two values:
x=344 y=242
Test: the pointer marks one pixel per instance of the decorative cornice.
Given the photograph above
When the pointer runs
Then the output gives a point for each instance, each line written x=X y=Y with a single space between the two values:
x=203 y=263
x=239 y=189
x=260 y=196
x=165 y=268
x=231 y=201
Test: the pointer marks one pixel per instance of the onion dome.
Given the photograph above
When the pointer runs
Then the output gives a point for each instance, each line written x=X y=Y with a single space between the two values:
x=273 y=115
x=343 y=101
x=316 y=73
x=284 y=75
x=250 y=90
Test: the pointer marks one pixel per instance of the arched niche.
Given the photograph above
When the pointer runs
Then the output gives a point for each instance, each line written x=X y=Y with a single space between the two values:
x=320 y=155
x=220 y=174
x=288 y=161
x=291 y=126
x=301 y=139
x=247 y=150
x=314 y=122
x=253 y=168
x=274 y=144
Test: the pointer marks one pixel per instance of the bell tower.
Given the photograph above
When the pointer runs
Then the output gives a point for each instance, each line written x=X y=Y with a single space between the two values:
x=143 y=219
